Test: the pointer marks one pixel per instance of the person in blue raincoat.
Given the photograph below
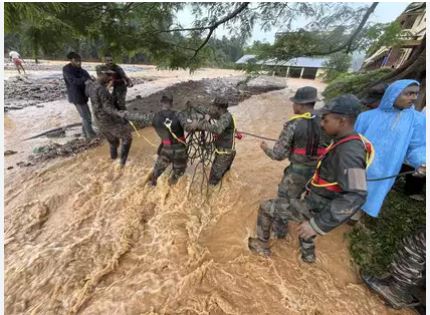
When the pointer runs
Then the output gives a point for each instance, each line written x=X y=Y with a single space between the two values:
x=398 y=134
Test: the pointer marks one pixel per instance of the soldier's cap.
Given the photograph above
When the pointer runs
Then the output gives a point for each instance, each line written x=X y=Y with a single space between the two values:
x=220 y=101
x=375 y=94
x=304 y=95
x=346 y=105
x=103 y=69
x=165 y=98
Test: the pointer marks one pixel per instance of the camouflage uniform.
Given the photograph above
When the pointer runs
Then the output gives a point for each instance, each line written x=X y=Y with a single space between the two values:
x=119 y=87
x=225 y=152
x=407 y=272
x=109 y=120
x=171 y=150
x=325 y=209
x=300 y=141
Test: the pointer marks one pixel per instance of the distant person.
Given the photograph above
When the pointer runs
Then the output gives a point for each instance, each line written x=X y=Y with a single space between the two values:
x=397 y=132
x=337 y=189
x=120 y=82
x=75 y=78
x=301 y=141
x=17 y=61
x=109 y=119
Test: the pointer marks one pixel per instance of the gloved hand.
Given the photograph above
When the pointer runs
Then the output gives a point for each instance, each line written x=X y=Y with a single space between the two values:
x=420 y=171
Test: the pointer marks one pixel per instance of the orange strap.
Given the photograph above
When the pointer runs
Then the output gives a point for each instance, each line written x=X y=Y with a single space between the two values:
x=317 y=181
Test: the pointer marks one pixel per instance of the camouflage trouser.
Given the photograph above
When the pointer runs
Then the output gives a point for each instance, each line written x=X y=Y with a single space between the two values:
x=114 y=134
x=118 y=95
x=409 y=263
x=176 y=155
x=275 y=214
x=220 y=166
x=294 y=181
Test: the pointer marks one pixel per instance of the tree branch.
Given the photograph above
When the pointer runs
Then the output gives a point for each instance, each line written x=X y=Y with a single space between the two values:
x=348 y=44
x=212 y=28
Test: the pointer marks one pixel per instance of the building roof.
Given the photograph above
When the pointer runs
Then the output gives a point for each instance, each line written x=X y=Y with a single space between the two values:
x=307 y=62
x=245 y=59
x=415 y=6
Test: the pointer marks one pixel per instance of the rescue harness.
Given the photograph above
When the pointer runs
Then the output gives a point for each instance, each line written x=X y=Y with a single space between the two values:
x=304 y=151
x=317 y=181
x=236 y=135
x=168 y=124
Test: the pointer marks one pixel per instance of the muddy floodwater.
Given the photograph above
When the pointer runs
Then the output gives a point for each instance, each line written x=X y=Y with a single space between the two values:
x=85 y=237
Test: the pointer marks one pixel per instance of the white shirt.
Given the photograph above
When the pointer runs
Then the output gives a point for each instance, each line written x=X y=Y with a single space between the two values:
x=14 y=55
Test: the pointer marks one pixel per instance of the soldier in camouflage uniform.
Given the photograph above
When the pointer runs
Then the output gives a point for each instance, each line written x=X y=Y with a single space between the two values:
x=120 y=82
x=169 y=125
x=301 y=141
x=407 y=271
x=108 y=117
x=225 y=133
x=337 y=189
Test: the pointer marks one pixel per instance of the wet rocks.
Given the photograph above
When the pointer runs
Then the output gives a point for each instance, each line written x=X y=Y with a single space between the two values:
x=9 y=152
x=20 y=92
x=55 y=150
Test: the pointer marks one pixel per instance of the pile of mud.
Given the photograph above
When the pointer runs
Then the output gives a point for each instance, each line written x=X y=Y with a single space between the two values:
x=202 y=92
x=20 y=92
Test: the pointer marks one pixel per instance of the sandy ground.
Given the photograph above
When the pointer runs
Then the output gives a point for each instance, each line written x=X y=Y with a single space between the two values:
x=84 y=237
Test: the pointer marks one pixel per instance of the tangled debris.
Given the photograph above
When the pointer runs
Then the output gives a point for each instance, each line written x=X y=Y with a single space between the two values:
x=202 y=92
x=55 y=150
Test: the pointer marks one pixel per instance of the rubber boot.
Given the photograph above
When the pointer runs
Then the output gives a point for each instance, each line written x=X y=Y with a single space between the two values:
x=258 y=246
x=125 y=148
x=113 y=152
x=307 y=248
x=391 y=291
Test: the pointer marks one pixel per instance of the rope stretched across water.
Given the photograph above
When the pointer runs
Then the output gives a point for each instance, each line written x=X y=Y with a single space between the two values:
x=368 y=179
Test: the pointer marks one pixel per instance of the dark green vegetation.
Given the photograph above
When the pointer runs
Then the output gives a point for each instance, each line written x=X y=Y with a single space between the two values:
x=373 y=244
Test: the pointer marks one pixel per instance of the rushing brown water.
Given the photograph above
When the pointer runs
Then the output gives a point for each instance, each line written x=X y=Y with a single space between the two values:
x=84 y=237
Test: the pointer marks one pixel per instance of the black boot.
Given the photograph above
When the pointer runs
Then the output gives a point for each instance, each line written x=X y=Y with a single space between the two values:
x=125 y=148
x=391 y=291
x=307 y=248
x=113 y=152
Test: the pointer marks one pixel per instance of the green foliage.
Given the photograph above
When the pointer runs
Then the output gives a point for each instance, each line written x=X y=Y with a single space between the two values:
x=380 y=35
x=354 y=83
x=150 y=31
x=337 y=63
x=372 y=246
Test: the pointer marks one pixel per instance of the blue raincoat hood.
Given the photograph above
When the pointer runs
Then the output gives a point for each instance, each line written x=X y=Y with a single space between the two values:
x=398 y=136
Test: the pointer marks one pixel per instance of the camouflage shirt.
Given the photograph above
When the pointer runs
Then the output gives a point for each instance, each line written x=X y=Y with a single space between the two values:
x=223 y=128
x=295 y=134
x=105 y=112
x=346 y=166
